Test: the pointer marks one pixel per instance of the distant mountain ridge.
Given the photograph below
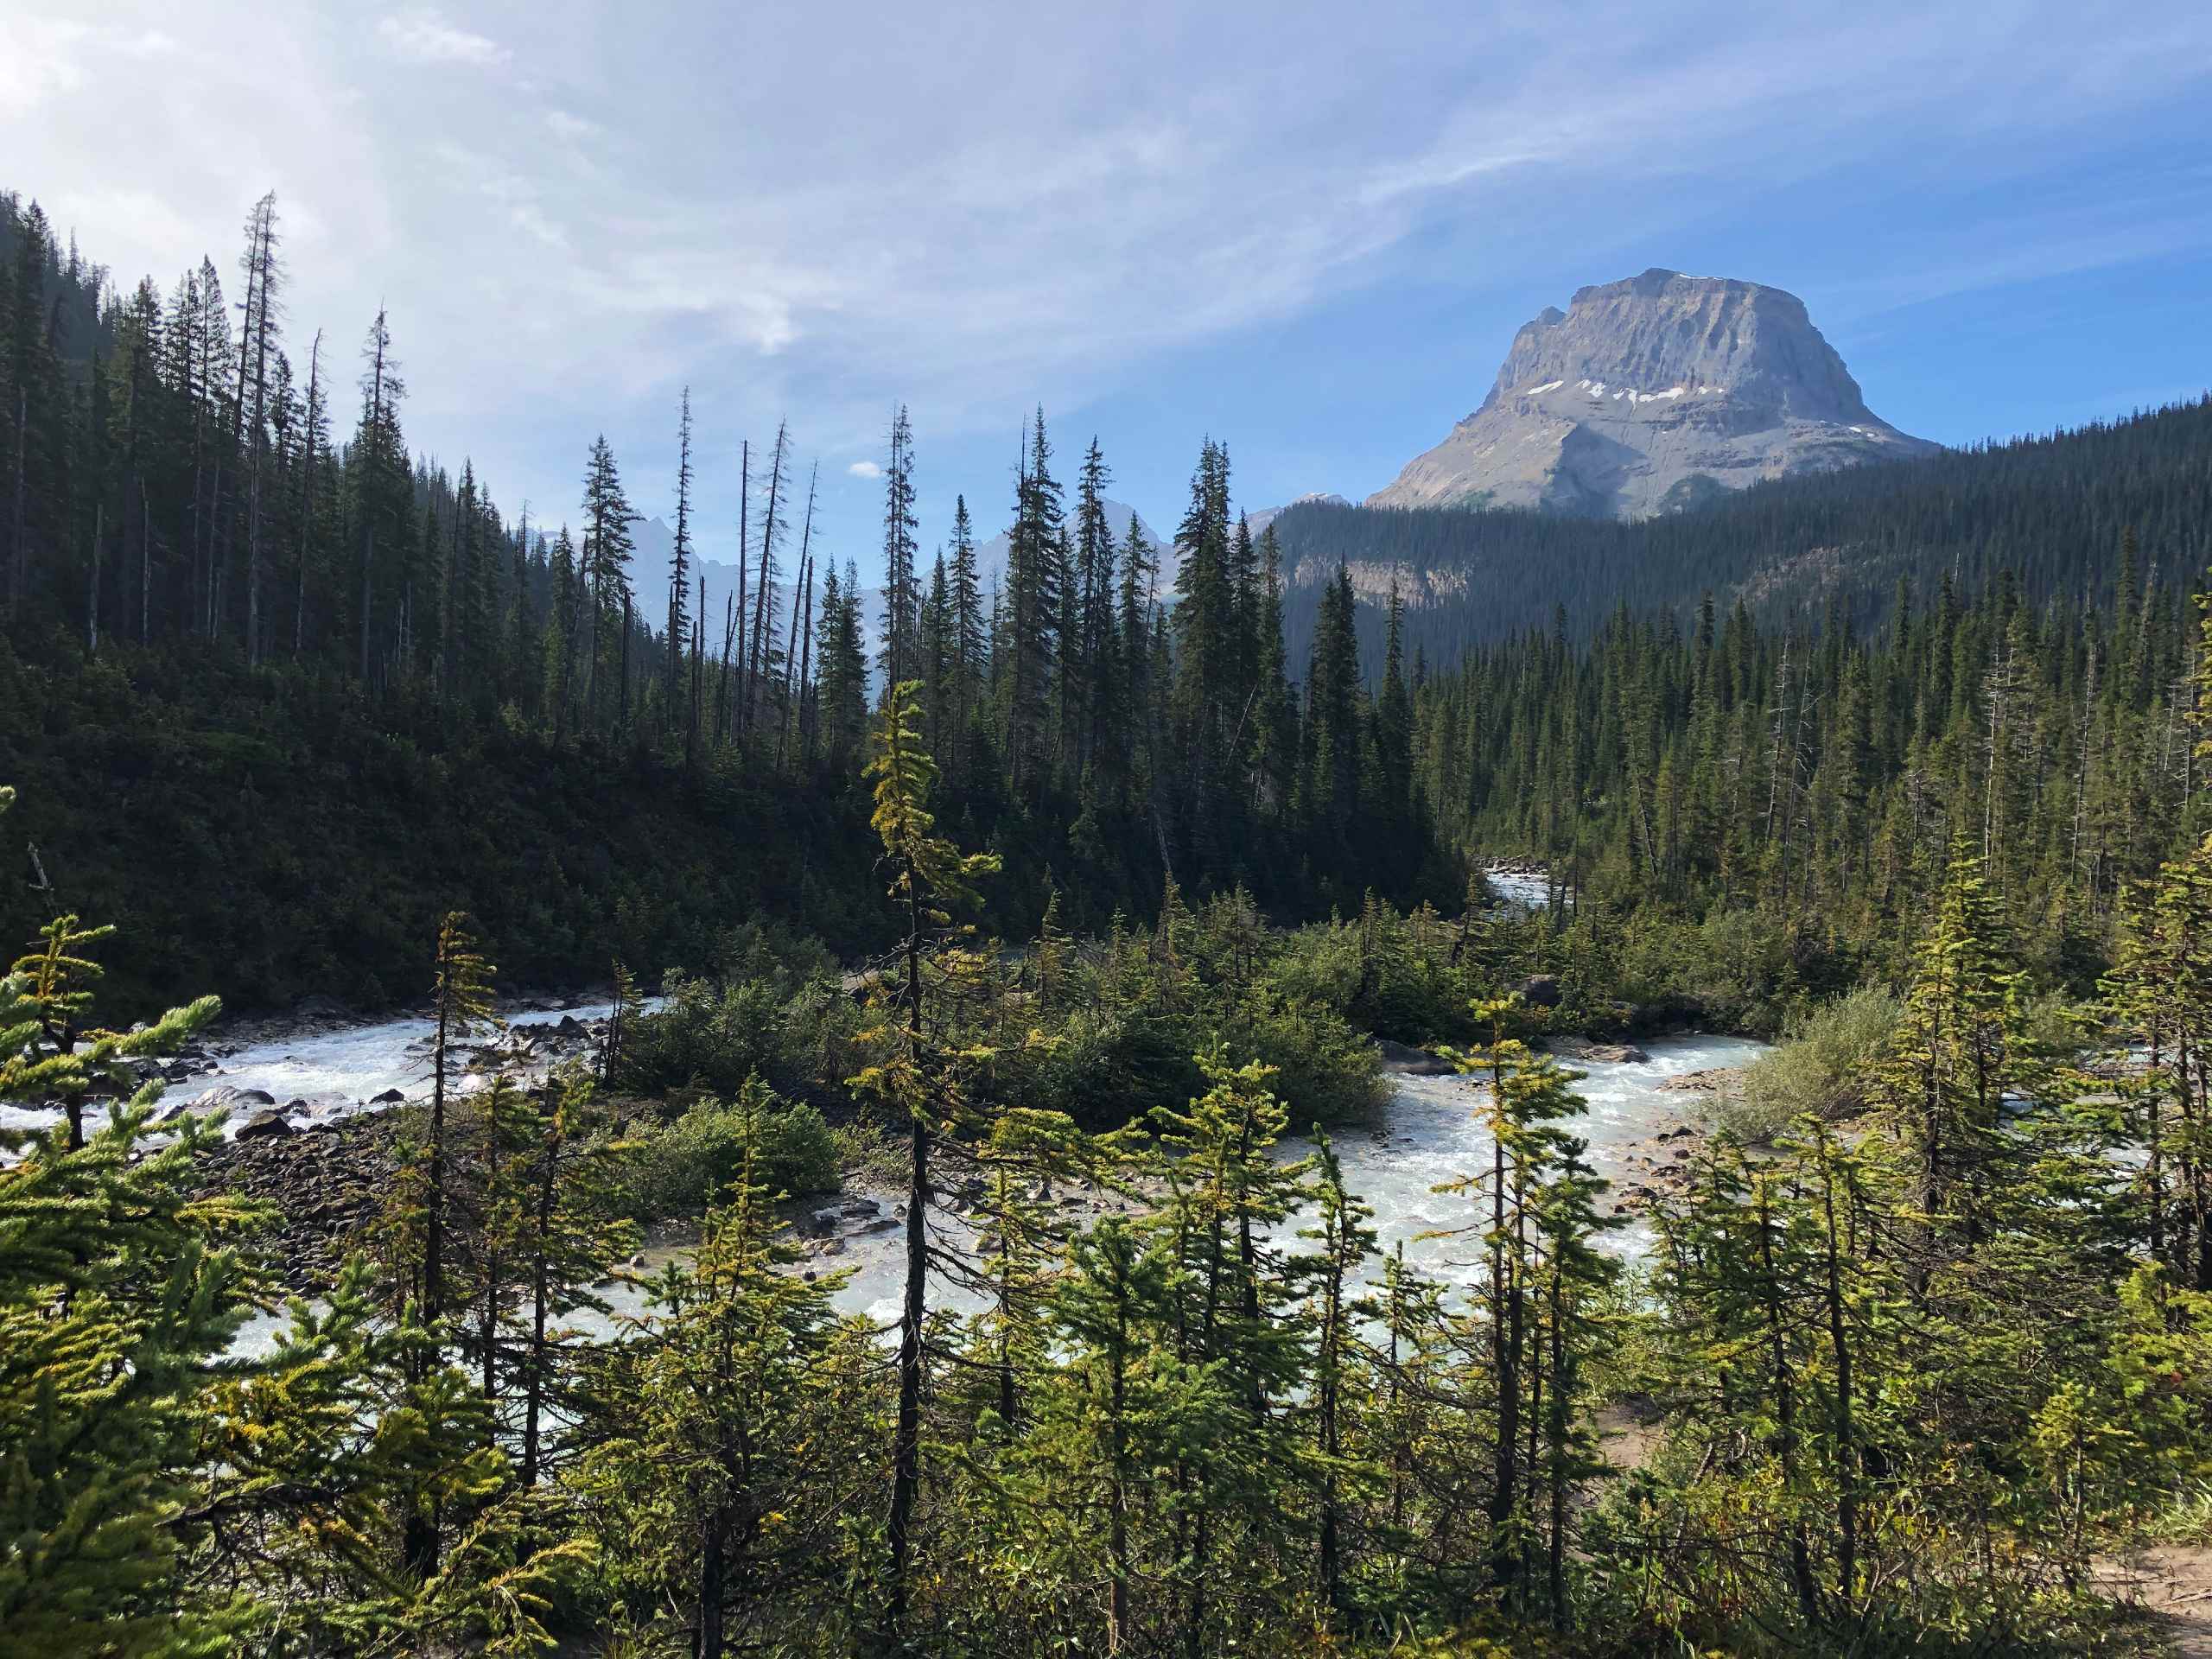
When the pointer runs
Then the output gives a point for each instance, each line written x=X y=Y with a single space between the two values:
x=1651 y=395
x=2047 y=513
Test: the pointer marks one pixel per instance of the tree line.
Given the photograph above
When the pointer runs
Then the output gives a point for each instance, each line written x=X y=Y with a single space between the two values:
x=2051 y=510
x=1815 y=774
x=185 y=487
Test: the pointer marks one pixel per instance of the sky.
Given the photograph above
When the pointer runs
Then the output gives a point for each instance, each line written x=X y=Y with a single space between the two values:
x=1308 y=232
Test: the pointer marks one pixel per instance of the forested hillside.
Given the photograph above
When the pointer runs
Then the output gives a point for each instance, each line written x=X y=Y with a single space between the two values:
x=225 y=570
x=2050 y=510
x=1817 y=775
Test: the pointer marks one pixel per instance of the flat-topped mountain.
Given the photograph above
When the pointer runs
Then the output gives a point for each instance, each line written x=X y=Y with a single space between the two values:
x=1650 y=395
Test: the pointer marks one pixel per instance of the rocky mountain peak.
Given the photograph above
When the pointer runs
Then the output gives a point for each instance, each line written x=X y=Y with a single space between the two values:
x=1648 y=394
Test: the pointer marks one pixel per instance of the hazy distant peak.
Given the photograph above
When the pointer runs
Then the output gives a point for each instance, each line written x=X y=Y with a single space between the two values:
x=1260 y=517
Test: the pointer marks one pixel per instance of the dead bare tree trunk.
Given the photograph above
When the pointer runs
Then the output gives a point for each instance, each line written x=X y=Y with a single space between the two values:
x=93 y=587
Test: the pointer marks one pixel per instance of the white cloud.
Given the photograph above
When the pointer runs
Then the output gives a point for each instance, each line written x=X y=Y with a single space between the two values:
x=865 y=470
x=424 y=35
x=840 y=207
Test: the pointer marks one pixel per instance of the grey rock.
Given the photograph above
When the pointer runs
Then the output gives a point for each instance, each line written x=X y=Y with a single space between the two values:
x=388 y=1098
x=859 y=1207
x=1582 y=1048
x=1650 y=396
x=1540 y=991
x=1410 y=1062
x=265 y=1125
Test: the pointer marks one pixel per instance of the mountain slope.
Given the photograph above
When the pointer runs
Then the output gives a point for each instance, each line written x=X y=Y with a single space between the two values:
x=1650 y=395
x=2051 y=511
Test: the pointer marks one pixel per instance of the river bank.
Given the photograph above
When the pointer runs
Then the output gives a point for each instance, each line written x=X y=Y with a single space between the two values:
x=322 y=1171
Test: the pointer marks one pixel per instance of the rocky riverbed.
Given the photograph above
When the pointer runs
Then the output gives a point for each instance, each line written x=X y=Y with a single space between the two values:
x=312 y=1137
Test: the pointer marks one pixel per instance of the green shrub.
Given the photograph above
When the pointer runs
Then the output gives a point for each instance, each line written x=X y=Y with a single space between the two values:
x=711 y=1038
x=1108 y=1066
x=683 y=1166
x=1821 y=1067
x=1104 y=1067
x=1326 y=1071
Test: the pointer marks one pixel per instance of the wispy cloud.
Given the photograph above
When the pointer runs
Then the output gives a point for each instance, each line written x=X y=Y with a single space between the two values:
x=424 y=35
x=979 y=209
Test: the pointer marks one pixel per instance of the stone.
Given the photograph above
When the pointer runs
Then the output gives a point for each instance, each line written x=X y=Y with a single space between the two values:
x=859 y=1207
x=1406 y=1061
x=1540 y=991
x=388 y=1098
x=1582 y=1048
x=267 y=1125
x=1713 y=1080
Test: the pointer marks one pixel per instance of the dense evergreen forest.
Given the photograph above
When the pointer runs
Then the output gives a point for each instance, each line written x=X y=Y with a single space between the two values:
x=2047 y=513
x=217 y=611
x=1911 y=1355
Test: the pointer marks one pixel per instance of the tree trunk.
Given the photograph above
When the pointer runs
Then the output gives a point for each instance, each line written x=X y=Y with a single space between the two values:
x=1785 y=1413
x=906 y=1450
x=18 y=553
x=93 y=587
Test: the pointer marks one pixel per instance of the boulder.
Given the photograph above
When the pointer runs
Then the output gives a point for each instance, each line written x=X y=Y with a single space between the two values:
x=570 y=1029
x=268 y=1124
x=1539 y=991
x=859 y=1207
x=390 y=1097
x=1406 y=1061
x=222 y=1096
x=1581 y=1048
x=1713 y=1080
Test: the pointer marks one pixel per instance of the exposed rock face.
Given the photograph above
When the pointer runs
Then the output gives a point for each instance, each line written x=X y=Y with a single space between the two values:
x=1651 y=395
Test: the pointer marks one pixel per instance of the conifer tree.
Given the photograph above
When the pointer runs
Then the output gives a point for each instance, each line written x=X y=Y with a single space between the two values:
x=900 y=655
x=679 y=567
x=727 y=1490
x=928 y=876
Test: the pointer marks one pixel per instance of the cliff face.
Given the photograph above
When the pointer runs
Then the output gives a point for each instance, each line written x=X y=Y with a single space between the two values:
x=1647 y=396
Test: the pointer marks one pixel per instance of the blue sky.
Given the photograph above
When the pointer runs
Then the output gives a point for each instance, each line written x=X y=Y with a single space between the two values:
x=1308 y=231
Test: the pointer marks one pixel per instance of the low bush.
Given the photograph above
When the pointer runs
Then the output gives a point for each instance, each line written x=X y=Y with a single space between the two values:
x=683 y=1166
x=1821 y=1067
